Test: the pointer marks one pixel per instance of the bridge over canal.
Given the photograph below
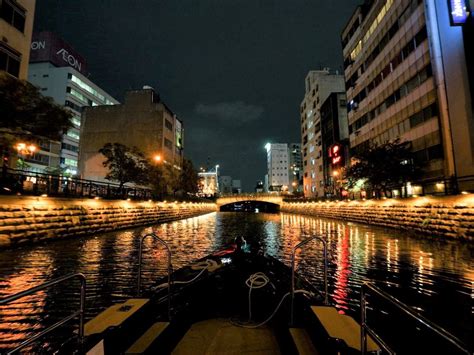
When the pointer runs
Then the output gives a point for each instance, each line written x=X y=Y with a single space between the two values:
x=257 y=198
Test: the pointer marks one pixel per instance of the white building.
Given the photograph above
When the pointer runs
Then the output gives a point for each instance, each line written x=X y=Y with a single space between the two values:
x=59 y=72
x=319 y=84
x=208 y=183
x=277 y=166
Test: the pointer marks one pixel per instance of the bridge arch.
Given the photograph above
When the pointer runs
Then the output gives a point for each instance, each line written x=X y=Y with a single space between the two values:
x=262 y=202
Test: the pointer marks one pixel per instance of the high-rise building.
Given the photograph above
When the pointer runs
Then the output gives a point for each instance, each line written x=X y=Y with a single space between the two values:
x=16 y=27
x=295 y=167
x=60 y=73
x=143 y=121
x=277 y=166
x=406 y=77
x=319 y=84
x=335 y=141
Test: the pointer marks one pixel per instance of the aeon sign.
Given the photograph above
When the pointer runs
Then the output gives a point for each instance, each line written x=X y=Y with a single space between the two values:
x=458 y=12
x=69 y=58
x=47 y=47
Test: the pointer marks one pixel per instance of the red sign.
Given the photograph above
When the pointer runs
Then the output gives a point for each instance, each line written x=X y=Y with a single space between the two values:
x=335 y=154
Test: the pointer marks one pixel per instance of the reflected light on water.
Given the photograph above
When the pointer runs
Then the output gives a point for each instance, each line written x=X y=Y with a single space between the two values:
x=419 y=271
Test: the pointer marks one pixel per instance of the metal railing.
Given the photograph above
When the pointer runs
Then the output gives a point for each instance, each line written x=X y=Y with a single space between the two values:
x=325 y=256
x=170 y=267
x=13 y=181
x=365 y=329
x=43 y=286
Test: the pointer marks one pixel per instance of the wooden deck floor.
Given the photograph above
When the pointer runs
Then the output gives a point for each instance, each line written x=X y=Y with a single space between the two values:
x=218 y=336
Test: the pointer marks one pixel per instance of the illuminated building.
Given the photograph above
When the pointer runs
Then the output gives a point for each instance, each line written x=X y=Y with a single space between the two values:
x=335 y=140
x=208 y=183
x=16 y=27
x=143 y=121
x=277 y=167
x=61 y=73
x=319 y=84
x=406 y=77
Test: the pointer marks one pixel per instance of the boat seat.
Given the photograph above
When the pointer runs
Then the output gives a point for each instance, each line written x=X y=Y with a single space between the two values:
x=114 y=316
x=144 y=342
x=342 y=327
x=303 y=341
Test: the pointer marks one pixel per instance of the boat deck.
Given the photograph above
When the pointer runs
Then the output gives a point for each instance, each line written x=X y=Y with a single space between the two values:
x=219 y=336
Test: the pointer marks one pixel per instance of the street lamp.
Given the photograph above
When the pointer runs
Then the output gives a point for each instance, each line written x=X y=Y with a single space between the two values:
x=217 y=179
x=25 y=149
x=157 y=158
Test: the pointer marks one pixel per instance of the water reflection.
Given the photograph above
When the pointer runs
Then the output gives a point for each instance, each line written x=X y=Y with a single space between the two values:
x=434 y=276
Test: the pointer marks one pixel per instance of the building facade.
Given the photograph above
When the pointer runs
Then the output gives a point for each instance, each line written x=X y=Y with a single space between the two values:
x=406 y=77
x=295 y=168
x=335 y=141
x=143 y=121
x=60 y=73
x=209 y=183
x=16 y=28
x=319 y=84
x=277 y=166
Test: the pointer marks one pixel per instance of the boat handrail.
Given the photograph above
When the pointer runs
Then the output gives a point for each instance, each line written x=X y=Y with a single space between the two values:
x=170 y=267
x=365 y=329
x=299 y=246
x=41 y=287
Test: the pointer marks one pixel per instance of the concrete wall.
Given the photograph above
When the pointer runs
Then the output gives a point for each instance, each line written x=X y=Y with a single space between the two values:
x=31 y=219
x=451 y=217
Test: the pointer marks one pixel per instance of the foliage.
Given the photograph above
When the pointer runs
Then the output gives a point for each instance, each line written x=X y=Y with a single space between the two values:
x=25 y=112
x=189 y=179
x=382 y=167
x=125 y=164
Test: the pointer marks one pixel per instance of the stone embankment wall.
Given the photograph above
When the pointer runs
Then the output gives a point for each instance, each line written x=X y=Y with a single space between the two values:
x=451 y=216
x=30 y=219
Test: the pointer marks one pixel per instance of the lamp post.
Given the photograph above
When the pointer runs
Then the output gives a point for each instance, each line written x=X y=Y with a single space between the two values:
x=217 y=179
x=25 y=149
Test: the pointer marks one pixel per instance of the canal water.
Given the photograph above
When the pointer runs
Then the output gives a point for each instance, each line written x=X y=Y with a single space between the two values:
x=434 y=276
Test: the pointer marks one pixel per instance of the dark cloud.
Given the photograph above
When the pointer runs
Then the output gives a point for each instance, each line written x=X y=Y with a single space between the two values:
x=233 y=71
x=230 y=113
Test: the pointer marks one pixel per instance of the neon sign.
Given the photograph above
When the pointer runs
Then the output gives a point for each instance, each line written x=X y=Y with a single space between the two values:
x=458 y=12
x=335 y=154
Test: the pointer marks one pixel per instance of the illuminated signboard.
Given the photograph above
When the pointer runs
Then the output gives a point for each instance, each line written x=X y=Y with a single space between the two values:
x=458 y=12
x=47 y=47
x=336 y=153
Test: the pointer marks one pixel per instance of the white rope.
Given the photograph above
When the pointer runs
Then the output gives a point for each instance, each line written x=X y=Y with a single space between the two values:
x=259 y=280
x=202 y=265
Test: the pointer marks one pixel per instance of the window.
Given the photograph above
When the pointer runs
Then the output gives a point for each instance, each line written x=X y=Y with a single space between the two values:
x=9 y=60
x=168 y=125
x=12 y=13
x=72 y=148
x=168 y=144
x=72 y=134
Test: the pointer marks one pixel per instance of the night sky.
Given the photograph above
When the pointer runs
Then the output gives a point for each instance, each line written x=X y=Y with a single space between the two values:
x=232 y=70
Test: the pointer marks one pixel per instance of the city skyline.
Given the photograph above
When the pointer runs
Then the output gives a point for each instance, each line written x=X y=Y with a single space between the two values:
x=192 y=65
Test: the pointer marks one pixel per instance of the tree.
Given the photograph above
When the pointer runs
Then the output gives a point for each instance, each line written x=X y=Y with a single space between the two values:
x=189 y=179
x=382 y=167
x=125 y=164
x=25 y=112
